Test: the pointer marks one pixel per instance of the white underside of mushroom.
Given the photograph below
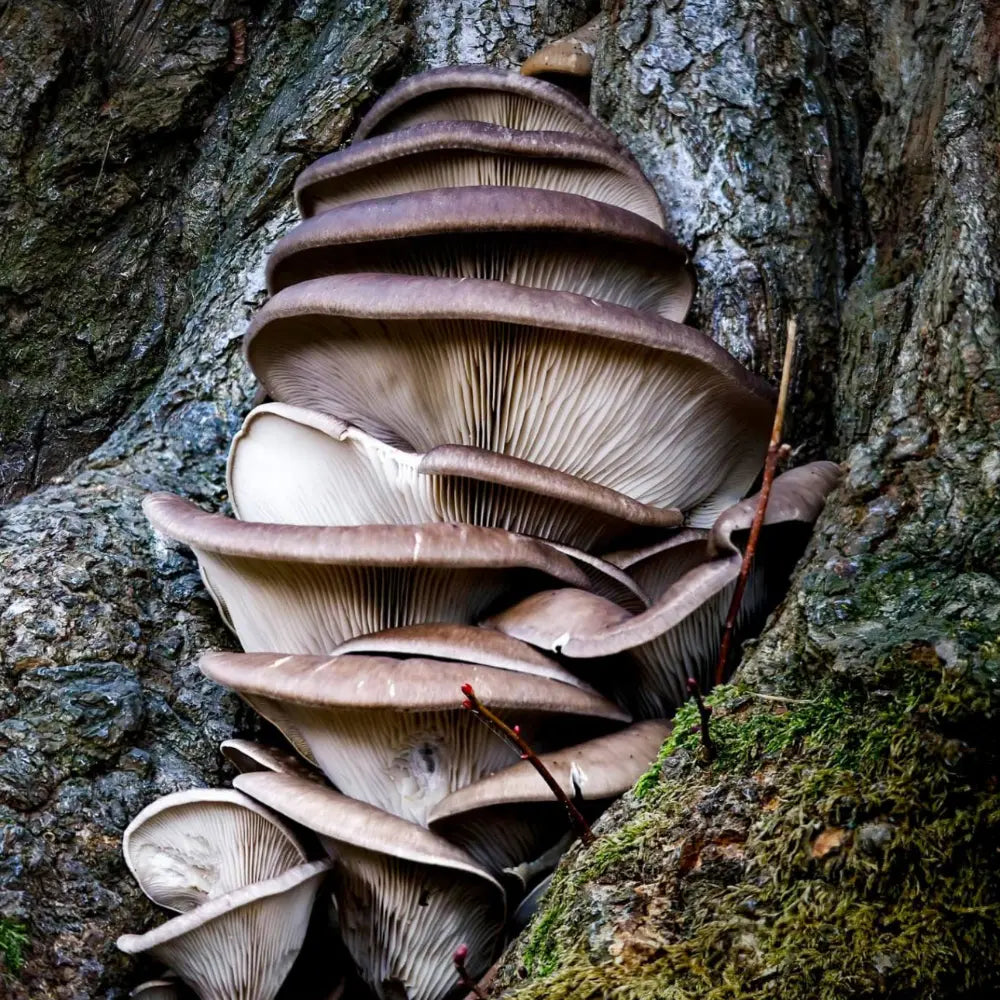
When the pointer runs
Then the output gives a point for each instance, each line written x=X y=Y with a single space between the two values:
x=401 y=922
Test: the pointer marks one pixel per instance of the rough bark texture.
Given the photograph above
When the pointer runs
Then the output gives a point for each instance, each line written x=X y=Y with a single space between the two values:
x=840 y=168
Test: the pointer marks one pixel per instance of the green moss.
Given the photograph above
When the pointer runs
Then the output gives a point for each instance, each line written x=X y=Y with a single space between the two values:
x=901 y=898
x=13 y=938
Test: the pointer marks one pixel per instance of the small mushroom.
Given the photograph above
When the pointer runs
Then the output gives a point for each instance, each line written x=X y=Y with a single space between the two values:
x=570 y=56
x=540 y=239
x=392 y=732
x=481 y=94
x=536 y=375
x=510 y=817
x=691 y=583
x=293 y=466
x=159 y=989
x=306 y=589
x=195 y=845
x=247 y=756
x=241 y=944
x=406 y=897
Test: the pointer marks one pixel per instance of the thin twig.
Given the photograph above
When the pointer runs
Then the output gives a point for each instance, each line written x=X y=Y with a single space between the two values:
x=514 y=738
x=104 y=160
x=775 y=451
x=461 y=953
x=704 y=714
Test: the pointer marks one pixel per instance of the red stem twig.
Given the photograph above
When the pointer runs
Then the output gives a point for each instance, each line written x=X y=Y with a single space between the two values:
x=461 y=954
x=775 y=451
x=514 y=738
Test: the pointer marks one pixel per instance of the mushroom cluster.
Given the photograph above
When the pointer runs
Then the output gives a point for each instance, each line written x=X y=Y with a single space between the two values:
x=492 y=455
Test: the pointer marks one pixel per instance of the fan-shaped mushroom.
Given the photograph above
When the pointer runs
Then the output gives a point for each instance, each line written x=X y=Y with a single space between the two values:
x=241 y=944
x=194 y=845
x=511 y=816
x=458 y=154
x=406 y=897
x=305 y=589
x=481 y=94
x=569 y=56
x=246 y=755
x=541 y=239
x=541 y=376
x=692 y=583
x=158 y=989
x=392 y=732
x=293 y=466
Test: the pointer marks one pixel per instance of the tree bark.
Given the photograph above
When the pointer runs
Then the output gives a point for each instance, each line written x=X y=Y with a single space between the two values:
x=839 y=167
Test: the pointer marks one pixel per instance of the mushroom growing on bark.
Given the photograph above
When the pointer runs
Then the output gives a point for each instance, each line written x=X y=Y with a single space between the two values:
x=459 y=154
x=406 y=898
x=568 y=59
x=391 y=732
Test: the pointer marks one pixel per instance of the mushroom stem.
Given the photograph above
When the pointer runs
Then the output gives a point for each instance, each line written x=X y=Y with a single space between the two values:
x=513 y=736
x=704 y=714
x=463 y=974
x=775 y=452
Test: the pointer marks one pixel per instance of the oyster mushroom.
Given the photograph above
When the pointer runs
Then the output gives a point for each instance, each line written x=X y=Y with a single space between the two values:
x=392 y=732
x=540 y=376
x=540 y=239
x=246 y=755
x=482 y=94
x=511 y=816
x=406 y=898
x=241 y=944
x=194 y=845
x=571 y=56
x=305 y=589
x=294 y=466
x=459 y=154
x=159 y=989
x=691 y=580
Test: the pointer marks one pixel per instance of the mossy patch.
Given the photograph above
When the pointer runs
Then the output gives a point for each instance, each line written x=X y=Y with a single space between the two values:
x=842 y=844
x=13 y=940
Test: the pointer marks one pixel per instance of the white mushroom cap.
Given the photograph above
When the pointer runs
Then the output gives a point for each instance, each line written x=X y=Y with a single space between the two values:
x=393 y=733
x=293 y=466
x=678 y=637
x=542 y=239
x=393 y=354
x=246 y=756
x=306 y=589
x=194 y=845
x=511 y=816
x=158 y=989
x=242 y=944
x=406 y=898
x=458 y=154
x=484 y=94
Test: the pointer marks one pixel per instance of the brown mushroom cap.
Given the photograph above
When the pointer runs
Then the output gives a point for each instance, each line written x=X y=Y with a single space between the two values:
x=195 y=845
x=541 y=239
x=307 y=589
x=678 y=637
x=571 y=55
x=484 y=94
x=457 y=154
x=406 y=898
x=392 y=732
x=511 y=816
x=393 y=355
x=247 y=756
x=241 y=944
x=293 y=466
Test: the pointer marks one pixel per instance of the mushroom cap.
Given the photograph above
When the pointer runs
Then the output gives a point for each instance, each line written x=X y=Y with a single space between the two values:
x=157 y=989
x=306 y=589
x=406 y=898
x=202 y=843
x=393 y=355
x=679 y=635
x=294 y=466
x=247 y=756
x=571 y=55
x=241 y=944
x=485 y=94
x=392 y=732
x=451 y=154
x=541 y=239
x=511 y=816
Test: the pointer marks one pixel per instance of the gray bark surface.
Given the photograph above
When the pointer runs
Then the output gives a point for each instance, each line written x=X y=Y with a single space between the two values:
x=838 y=168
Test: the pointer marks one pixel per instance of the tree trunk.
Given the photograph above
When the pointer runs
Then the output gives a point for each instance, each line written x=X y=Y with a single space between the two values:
x=840 y=168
